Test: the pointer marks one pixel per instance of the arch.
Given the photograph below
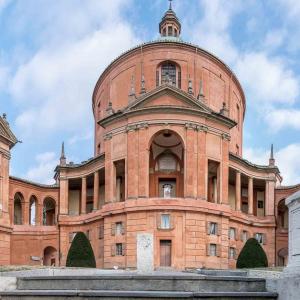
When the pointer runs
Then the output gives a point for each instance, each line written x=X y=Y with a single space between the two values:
x=50 y=256
x=168 y=72
x=282 y=215
x=166 y=164
x=283 y=257
x=49 y=211
x=159 y=131
x=32 y=210
x=18 y=208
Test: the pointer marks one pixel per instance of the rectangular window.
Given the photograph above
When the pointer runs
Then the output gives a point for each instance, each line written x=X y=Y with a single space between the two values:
x=232 y=233
x=213 y=228
x=260 y=204
x=119 y=228
x=165 y=222
x=232 y=252
x=259 y=237
x=119 y=249
x=244 y=236
x=213 y=250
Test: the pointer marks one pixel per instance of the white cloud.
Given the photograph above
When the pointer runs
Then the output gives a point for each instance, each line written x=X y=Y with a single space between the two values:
x=287 y=160
x=267 y=79
x=80 y=138
x=42 y=172
x=212 y=31
x=3 y=4
x=279 y=119
x=55 y=86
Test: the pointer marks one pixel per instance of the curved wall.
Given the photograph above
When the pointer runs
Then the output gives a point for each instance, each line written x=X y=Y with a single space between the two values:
x=219 y=83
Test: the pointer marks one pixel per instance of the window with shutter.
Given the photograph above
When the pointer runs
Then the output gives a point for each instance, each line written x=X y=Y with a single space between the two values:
x=213 y=228
x=119 y=228
x=259 y=237
x=213 y=250
x=119 y=249
x=232 y=234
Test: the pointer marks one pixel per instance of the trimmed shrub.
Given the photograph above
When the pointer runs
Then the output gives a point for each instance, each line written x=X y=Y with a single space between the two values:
x=81 y=252
x=252 y=255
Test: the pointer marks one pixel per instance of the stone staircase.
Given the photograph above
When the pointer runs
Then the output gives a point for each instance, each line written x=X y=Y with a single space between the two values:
x=135 y=286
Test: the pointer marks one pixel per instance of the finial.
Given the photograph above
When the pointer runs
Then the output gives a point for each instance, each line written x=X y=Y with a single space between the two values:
x=224 y=111
x=190 y=90
x=272 y=159
x=4 y=116
x=62 y=155
x=132 y=89
x=201 y=94
x=170 y=7
x=143 y=86
x=110 y=109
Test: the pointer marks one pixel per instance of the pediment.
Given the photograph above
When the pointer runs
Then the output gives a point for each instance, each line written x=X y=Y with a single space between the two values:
x=168 y=96
x=6 y=133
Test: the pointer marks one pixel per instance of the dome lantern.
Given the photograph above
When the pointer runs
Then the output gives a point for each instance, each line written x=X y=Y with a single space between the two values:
x=170 y=26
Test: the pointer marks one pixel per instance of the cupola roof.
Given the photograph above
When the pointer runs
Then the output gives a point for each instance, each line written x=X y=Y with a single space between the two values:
x=170 y=26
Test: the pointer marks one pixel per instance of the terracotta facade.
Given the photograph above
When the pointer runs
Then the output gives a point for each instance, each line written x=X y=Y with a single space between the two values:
x=168 y=161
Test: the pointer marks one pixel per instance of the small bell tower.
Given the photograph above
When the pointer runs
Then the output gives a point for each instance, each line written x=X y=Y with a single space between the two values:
x=170 y=26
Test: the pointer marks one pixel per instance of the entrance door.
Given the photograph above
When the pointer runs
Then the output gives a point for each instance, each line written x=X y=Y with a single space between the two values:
x=165 y=253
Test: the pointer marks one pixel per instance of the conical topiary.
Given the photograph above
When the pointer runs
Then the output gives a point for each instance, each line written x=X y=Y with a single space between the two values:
x=252 y=255
x=81 y=252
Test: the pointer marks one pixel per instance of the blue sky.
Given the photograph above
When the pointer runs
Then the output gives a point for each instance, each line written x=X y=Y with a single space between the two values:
x=52 y=53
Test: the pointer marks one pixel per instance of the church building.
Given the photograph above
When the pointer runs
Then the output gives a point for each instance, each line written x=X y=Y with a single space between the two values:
x=168 y=161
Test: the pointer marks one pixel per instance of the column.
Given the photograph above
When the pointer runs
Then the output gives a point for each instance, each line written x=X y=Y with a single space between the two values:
x=250 y=196
x=191 y=162
x=238 y=191
x=270 y=198
x=96 y=190
x=64 y=196
x=83 y=195
x=202 y=165
x=224 y=170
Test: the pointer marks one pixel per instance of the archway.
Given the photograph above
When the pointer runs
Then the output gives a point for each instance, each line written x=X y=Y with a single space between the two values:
x=18 y=213
x=166 y=165
x=282 y=215
x=283 y=254
x=49 y=212
x=50 y=256
x=32 y=210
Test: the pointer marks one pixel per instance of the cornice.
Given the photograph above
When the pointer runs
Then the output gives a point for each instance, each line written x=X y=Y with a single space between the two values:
x=271 y=169
x=52 y=186
x=166 y=123
x=196 y=108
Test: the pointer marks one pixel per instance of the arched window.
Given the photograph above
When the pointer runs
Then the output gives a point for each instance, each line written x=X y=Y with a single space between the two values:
x=32 y=211
x=283 y=215
x=168 y=72
x=18 y=218
x=50 y=255
x=49 y=212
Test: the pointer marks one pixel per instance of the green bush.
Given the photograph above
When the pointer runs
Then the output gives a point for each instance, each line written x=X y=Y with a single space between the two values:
x=81 y=252
x=252 y=256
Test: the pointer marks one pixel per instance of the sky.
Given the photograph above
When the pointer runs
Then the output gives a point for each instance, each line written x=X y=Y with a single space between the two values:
x=53 y=52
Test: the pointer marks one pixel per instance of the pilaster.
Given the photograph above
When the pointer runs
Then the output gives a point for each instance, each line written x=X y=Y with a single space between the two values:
x=250 y=196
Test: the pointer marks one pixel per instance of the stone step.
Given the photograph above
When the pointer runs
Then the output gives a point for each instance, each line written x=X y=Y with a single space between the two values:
x=222 y=272
x=175 y=283
x=124 y=295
